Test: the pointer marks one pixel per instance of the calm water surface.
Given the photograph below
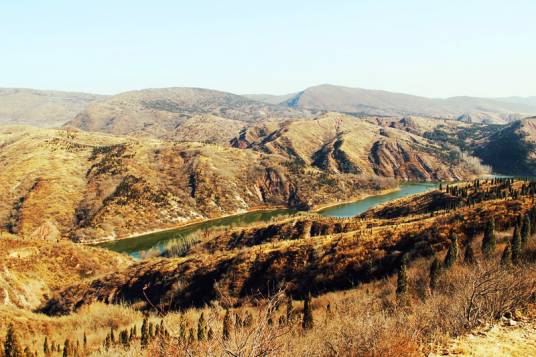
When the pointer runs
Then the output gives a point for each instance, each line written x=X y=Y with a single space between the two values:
x=139 y=246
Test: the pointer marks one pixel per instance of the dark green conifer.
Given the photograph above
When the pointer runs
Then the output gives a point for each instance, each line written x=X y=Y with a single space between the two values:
x=516 y=245
x=144 y=333
x=201 y=328
x=12 y=347
x=469 y=256
x=435 y=272
x=489 y=241
x=525 y=230
x=402 y=280
x=452 y=253
x=227 y=325
x=307 y=322
x=46 y=347
x=67 y=348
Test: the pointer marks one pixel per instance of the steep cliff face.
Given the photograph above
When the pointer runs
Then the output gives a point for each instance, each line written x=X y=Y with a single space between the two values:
x=94 y=186
x=341 y=144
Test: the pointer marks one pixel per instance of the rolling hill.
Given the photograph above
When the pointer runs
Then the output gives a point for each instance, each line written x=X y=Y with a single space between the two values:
x=161 y=112
x=41 y=108
x=376 y=102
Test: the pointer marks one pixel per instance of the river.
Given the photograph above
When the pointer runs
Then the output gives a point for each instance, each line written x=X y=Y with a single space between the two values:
x=153 y=243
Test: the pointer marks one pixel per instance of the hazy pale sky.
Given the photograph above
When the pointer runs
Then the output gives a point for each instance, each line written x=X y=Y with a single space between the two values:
x=431 y=48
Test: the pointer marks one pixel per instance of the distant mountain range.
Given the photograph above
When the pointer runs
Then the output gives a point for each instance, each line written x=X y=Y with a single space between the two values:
x=161 y=112
x=41 y=108
x=376 y=102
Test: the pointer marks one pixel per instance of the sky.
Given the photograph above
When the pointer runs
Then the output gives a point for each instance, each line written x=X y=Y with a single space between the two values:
x=431 y=48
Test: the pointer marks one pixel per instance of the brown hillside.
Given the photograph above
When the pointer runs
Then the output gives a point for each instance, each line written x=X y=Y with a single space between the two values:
x=61 y=183
x=341 y=143
x=306 y=253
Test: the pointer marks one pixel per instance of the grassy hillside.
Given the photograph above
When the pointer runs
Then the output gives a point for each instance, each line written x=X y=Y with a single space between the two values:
x=308 y=253
x=87 y=186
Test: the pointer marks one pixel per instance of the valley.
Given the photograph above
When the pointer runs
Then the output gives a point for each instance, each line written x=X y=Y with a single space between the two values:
x=165 y=205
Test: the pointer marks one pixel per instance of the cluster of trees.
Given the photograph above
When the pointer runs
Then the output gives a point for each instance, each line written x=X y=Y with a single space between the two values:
x=497 y=188
x=524 y=229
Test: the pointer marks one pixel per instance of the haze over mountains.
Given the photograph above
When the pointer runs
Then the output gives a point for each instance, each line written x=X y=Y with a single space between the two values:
x=377 y=102
x=161 y=112
x=41 y=108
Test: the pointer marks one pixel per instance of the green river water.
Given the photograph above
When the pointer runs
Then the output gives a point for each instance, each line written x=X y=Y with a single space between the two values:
x=139 y=246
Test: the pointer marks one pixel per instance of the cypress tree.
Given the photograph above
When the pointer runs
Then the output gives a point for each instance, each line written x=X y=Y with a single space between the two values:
x=452 y=253
x=307 y=322
x=469 y=256
x=191 y=337
x=85 y=342
x=489 y=242
x=435 y=271
x=227 y=325
x=112 y=335
x=506 y=257
x=151 y=330
x=525 y=230
x=67 y=348
x=46 y=348
x=12 y=346
x=145 y=333
x=201 y=328
x=516 y=245
x=402 y=281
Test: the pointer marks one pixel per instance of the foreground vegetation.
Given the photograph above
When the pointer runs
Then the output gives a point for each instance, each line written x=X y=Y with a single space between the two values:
x=457 y=259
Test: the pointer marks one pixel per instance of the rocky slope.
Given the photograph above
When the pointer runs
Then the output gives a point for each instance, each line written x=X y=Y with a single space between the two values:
x=372 y=146
x=41 y=108
x=512 y=149
x=87 y=186
x=376 y=102
x=161 y=112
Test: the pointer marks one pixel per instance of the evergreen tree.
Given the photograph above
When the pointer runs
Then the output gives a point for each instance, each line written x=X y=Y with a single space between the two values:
x=506 y=257
x=12 y=347
x=46 y=348
x=144 y=332
x=516 y=245
x=402 y=281
x=124 y=338
x=525 y=230
x=469 y=256
x=191 y=337
x=85 y=342
x=435 y=271
x=201 y=328
x=151 y=330
x=489 y=242
x=307 y=322
x=112 y=336
x=227 y=325
x=67 y=348
x=452 y=253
